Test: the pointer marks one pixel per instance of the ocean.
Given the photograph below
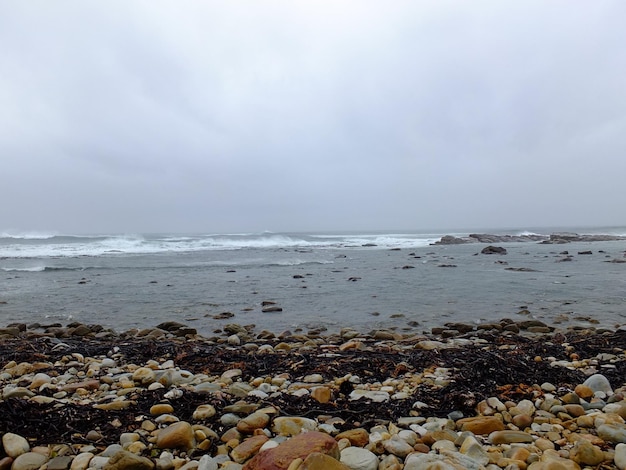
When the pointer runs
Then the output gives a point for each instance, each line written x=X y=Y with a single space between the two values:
x=321 y=281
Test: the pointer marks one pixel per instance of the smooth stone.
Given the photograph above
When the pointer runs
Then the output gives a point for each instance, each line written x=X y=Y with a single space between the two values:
x=292 y=425
x=357 y=458
x=60 y=463
x=298 y=447
x=125 y=460
x=377 y=396
x=14 y=444
x=248 y=448
x=176 y=436
x=203 y=412
x=481 y=424
x=29 y=461
x=161 y=409
x=319 y=461
x=397 y=446
x=206 y=462
x=81 y=461
x=509 y=437
x=321 y=394
x=599 y=383
x=98 y=462
x=585 y=453
x=144 y=376
x=358 y=436
x=620 y=456
x=615 y=433
x=583 y=391
x=256 y=420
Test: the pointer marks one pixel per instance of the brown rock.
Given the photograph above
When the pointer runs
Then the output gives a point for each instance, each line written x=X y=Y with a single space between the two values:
x=585 y=453
x=176 y=436
x=481 y=424
x=358 y=437
x=321 y=394
x=256 y=420
x=248 y=448
x=300 y=446
x=124 y=460
x=319 y=461
x=583 y=391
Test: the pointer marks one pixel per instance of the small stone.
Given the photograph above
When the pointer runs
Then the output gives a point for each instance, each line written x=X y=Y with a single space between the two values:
x=161 y=409
x=176 y=436
x=319 y=461
x=144 y=376
x=206 y=462
x=321 y=394
x=358 y=437
x=583 y=391
x=292 y=425
x=397 y=446
x=481 y=424
x=585 y=453
x=203 y=412
x=509 y=437
x=29 y=461
x=248 y=448
x=357 y=458
x=599 y=383
x=256 y=420
x=81 y=461
x=60 y=463
x=620 y=456
x=14 y=444
x=615 y=433
x=124 y=460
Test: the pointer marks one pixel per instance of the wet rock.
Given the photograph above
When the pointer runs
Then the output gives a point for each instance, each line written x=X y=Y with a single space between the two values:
x=493 y=250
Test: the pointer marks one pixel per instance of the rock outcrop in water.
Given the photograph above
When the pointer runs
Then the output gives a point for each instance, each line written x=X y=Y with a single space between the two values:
x=555 y=238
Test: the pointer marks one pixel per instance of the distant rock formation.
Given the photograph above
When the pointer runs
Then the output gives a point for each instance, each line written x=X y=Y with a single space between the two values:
x=555 y=238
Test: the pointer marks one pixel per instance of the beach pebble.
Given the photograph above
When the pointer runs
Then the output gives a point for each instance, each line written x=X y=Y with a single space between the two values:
x=124 y=460
x=615 y=433
x=358 y=436
x=14 y=444
x=585 y=453
x=397 y=446
x=357 y=458
x=203 y=412
x=256 y=420
x=248 y=448
x=509 y=437
x=29 y=461
x=481 y=424
x=292 y=425
x=599 y=383
x=620 y=456
x=176 y=436
x=319 y=461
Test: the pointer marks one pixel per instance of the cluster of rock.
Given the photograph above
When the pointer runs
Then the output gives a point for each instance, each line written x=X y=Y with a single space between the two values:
x=241 y=423
x=555 y=238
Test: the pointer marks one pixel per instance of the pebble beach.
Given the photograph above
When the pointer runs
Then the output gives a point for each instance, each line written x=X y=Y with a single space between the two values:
x=500 y=395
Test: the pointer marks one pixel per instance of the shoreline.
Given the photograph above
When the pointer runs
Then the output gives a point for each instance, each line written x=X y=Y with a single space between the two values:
x=85 y=393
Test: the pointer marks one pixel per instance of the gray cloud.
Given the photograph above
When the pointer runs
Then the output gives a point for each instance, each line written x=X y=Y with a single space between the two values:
x=228 y=116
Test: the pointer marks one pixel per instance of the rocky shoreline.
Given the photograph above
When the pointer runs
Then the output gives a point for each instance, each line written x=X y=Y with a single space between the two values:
x=512 y=395
x=552 y=239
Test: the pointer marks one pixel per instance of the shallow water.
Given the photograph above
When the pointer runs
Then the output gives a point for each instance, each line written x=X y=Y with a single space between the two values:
x=401 y=283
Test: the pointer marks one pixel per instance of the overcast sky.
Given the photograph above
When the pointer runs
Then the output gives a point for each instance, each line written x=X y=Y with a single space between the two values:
x=206 y=116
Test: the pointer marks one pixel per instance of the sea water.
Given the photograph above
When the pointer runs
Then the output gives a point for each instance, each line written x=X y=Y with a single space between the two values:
x=395 y=280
